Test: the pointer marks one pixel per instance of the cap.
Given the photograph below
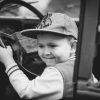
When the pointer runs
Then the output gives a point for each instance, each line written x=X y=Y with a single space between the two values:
x=54 y=23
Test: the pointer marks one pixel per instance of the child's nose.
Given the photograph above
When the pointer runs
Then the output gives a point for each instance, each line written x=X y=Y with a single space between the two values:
x=47 y=51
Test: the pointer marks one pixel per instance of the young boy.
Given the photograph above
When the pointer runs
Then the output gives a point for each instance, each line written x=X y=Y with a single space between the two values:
x=57 y=37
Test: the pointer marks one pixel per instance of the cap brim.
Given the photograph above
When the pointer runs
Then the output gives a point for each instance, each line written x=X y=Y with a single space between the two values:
x=32 y=33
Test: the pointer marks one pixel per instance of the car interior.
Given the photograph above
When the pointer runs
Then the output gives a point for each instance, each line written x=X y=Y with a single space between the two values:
x=87 y=54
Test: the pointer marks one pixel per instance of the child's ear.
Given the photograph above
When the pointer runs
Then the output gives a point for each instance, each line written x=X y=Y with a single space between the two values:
x=73 y=46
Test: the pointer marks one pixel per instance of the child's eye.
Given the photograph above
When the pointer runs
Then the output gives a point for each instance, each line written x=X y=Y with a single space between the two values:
x=40 y=46
x=53 y=46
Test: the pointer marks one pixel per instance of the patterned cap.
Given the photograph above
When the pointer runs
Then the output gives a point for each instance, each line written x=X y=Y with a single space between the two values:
x=54 y=23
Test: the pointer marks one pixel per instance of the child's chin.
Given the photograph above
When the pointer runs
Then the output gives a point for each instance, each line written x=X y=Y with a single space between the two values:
x=50 y=64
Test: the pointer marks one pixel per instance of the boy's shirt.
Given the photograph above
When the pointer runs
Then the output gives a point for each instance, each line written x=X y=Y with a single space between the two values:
x=48 y=86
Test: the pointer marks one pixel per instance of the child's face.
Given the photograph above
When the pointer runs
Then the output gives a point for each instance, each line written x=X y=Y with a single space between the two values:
x=53 y=49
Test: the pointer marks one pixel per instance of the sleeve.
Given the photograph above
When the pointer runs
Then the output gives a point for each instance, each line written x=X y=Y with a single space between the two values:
x=48 y=86
x=95 y=80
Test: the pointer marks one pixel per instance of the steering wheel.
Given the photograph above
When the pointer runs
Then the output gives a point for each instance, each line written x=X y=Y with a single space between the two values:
x=12 y=39
x=23 y=3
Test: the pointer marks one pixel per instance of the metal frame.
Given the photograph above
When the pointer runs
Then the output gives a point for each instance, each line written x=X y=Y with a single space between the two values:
x=86 y=46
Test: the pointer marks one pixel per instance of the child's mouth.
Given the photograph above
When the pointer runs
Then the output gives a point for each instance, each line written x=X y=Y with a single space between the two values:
x=49 y=59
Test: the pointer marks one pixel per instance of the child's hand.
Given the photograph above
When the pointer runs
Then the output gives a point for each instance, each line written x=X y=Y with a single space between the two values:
x=6 y=55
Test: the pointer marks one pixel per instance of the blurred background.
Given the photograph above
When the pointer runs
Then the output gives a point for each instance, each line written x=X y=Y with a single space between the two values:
x=71 y=7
